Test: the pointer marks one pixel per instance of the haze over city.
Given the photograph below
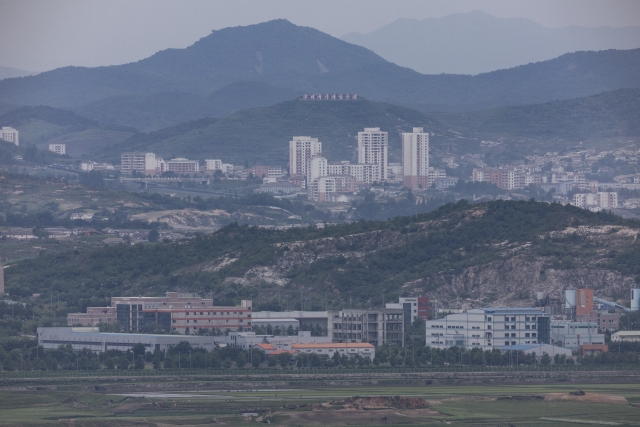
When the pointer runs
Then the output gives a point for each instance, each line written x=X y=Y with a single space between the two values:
x=319 y=213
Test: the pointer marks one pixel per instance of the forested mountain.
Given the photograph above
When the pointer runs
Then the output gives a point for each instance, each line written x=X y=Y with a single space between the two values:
x=496 y=253
x=281 y=54
x=164 y=109
x=476 y=42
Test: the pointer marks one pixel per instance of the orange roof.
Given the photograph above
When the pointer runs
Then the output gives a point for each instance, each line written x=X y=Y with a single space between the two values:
x=266 y=346
x=334 y=345
x=276 y=352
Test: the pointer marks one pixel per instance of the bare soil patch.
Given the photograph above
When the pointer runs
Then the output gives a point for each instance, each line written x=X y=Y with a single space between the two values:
x=586 y=397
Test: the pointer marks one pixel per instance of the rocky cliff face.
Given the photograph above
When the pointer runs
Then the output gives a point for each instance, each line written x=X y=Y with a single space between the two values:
x=515 y=272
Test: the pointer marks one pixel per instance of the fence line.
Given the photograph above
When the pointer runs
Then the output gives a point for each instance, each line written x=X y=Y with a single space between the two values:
x=312 y=371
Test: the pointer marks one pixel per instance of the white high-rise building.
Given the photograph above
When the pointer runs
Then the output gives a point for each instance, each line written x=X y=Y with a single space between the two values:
x=317 y=168
x=415 y=159
x=373 y=146
x=58 y=148
x=9 y=134
x=301 y=150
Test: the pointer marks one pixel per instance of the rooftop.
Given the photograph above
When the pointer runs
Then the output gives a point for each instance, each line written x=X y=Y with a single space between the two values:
x=333 y=345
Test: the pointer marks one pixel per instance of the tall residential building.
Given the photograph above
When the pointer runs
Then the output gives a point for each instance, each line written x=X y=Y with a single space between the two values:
x=317 y=168
x=144 y=163
x=9 y=134
x=415 y=159
x=58 y=148
x=301 y=150
x=373 y=146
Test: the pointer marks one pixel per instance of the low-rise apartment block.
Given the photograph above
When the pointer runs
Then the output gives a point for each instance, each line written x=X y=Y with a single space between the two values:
x=58 y=148
x=10 y=134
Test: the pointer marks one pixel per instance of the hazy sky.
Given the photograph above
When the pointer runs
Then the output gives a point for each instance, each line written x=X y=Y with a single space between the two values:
x=40 y=35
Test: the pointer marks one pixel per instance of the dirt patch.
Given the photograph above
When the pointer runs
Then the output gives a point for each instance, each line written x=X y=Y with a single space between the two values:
x=586 y=397
x=355 y=417
x=382 y=402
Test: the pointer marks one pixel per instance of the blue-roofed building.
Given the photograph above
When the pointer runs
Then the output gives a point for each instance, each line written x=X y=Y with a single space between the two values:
x=489 y=328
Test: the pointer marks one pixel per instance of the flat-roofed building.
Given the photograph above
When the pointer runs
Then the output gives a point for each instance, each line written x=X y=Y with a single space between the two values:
x=489 y=328
x=362 y=349
x=574 y=334
x=58 y=148
x=180 y=313
x=626 y=336
x=144 y=163
x=10 y=134
x=181 y=165
x=92 y=339
x=375 y=326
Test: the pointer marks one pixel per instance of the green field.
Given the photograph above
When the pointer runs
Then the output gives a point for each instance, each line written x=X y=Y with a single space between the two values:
x=198 y=403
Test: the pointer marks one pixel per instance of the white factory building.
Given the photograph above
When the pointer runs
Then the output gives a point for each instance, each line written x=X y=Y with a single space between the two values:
x=489 y=328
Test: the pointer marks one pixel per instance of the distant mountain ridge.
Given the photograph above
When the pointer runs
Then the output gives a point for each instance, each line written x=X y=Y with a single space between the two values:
x=281 y=54
x=476 y=42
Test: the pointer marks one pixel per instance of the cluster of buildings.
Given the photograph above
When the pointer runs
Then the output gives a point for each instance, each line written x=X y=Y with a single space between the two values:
x=575 y=324
x=310 y=170
x=570 y=176
x=578 y=326
x=189 y=317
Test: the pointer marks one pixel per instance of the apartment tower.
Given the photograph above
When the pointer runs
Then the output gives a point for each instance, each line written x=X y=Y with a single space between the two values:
x=415 y=159
x=373 y=146
x=301 y=150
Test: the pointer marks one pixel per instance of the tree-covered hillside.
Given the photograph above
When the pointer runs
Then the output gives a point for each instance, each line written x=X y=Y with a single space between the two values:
x=609 y=114
x=262 y=135
x=444 y=254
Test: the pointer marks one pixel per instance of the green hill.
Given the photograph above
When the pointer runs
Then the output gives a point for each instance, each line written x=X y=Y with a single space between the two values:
x=609 y=114
x=496 y=253
x=303 y=59
x=164 y=109
x=262 y=135
x=42 y=125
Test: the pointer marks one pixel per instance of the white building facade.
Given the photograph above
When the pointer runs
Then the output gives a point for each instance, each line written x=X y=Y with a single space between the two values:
x=415 y=159
x=373 y=147
x=58 y=148
x=10 y=134
x=301 y=150
x=489 y=328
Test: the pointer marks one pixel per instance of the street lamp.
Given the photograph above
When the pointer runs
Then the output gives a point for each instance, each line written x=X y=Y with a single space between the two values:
x=189 y=359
